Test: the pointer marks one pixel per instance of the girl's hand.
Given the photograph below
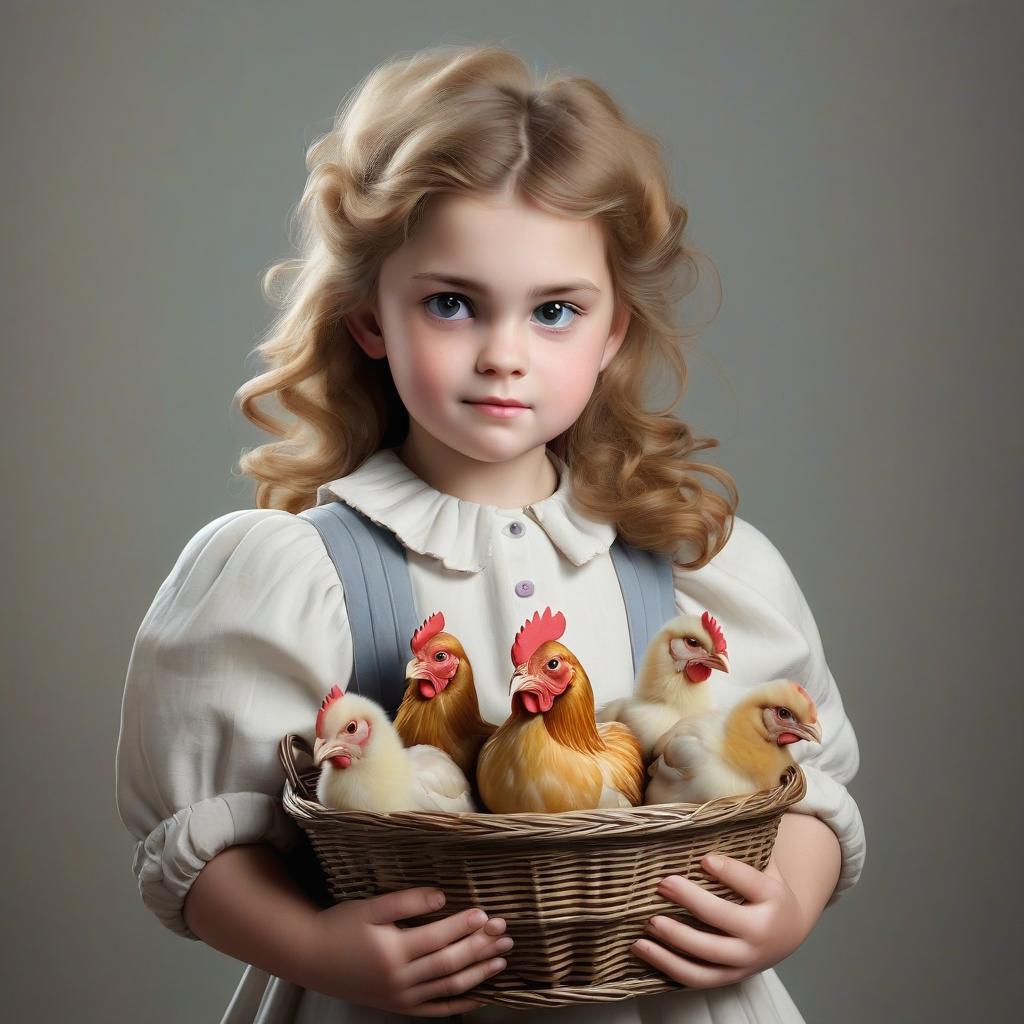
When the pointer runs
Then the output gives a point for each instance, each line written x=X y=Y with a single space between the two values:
x=748 y=938
x=356 y=952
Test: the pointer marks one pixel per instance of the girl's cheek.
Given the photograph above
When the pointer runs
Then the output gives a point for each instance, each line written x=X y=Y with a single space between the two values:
x=577 y=379
x=427 y=381
x=416 y=351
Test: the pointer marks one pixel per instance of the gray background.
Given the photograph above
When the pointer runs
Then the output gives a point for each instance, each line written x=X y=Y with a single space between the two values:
x=854 y=171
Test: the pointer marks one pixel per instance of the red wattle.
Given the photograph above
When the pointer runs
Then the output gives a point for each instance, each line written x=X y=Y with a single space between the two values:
x=341 y=760
x=697 y=672
x=787 y=737
x=535 y=702
x=427 y=688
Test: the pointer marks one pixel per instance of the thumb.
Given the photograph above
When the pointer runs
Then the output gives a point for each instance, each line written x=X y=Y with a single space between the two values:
x=395 y=906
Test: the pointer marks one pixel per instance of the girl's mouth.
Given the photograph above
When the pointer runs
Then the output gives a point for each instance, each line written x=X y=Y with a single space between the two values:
x=506 y=411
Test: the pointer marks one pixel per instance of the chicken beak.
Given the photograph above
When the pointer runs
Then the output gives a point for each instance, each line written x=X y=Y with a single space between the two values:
x=415 y=670
x=323 y=749
x=719 y=661
x=808 y=730
x=526 y=682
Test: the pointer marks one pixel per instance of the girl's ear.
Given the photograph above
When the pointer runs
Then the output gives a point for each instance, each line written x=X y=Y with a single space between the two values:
x=617 y=334
x=363 y=325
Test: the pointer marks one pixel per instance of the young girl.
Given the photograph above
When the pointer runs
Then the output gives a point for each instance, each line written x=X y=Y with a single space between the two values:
x=472 y=238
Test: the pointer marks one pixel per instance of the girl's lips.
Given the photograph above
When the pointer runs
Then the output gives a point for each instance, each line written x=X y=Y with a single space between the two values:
x=505 y=411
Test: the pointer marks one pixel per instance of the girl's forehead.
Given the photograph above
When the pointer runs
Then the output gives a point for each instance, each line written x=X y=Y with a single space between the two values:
x=472 y=236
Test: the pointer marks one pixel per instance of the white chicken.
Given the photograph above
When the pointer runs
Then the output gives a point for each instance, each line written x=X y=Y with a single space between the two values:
x=743 y=750
x=365 y=767
x=672 y=681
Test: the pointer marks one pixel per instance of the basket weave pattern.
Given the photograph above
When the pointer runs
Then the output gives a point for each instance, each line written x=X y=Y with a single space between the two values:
x=576 y=888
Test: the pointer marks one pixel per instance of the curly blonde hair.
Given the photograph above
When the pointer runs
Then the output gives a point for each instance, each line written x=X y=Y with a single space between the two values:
x=475 y=119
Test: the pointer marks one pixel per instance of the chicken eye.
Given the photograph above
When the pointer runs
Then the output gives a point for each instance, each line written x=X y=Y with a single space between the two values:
x=784 y=712
x=691 y=641
x=441 y=656
x=552 y=664
x=351 y=727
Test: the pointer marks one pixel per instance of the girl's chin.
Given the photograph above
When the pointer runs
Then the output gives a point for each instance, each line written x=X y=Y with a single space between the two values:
x=491 y=442
x=488 y=443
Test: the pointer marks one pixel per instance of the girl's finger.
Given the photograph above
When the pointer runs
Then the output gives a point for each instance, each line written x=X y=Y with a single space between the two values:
x=746 y=881
x=474 y=948
x=714 y=910
x=690 y=941
x=686 y=972
x=428 y=938
x=457 y=984
x=395 y=906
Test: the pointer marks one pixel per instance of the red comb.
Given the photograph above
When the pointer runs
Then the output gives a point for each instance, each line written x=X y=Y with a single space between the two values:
x=535 y=632
x=708 y=622
x=431 y=627
x=335 y=693
x=810 y=700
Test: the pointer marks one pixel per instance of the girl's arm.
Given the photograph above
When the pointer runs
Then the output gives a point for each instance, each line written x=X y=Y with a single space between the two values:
x=819 y=851
x=773 y=635
x=228 y=659
x=808 y=857
x=245 y=903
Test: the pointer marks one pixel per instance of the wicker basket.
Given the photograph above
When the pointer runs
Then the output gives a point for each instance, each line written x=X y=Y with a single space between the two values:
x=576 y=888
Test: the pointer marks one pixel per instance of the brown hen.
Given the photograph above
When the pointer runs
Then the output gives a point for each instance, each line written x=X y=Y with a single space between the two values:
x=550 y=754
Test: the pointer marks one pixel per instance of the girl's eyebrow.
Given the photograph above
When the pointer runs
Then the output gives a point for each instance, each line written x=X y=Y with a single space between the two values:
x=581 y=285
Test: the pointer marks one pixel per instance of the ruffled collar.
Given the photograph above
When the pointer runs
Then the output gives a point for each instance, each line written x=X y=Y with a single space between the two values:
x=460 y=533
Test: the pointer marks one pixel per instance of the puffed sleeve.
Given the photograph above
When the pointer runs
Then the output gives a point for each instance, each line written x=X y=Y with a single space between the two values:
x=771 y=634
x=240 y=644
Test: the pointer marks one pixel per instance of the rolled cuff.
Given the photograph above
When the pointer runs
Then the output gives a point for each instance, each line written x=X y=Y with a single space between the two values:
x=830 y=801
x=170 y=858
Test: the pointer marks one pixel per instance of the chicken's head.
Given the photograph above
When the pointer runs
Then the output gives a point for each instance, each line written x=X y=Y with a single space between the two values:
x=787 y=712
x=544 y=668
x=697 y=646
x=438 y=656
x=344 y=727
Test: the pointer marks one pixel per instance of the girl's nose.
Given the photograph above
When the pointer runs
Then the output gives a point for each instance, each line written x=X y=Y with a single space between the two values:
x=505 y=348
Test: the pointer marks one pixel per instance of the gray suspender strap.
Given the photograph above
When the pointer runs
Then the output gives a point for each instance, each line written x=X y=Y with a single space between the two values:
x=378 y=598
x=647 y=590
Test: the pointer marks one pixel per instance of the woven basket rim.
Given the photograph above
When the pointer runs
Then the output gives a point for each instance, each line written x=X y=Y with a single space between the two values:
x=600 y=824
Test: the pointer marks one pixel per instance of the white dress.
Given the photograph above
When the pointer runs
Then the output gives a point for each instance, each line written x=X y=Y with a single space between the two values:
x=249 y=631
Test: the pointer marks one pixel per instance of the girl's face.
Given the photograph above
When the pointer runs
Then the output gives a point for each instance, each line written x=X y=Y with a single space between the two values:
x=493 y=297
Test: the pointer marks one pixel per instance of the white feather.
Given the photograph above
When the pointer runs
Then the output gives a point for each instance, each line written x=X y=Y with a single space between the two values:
x=647 y=721
x=438 y=782
x=689 y=767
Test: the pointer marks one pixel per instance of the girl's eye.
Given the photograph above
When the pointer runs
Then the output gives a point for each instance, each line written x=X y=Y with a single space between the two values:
x=446 y=305
x=555 y=310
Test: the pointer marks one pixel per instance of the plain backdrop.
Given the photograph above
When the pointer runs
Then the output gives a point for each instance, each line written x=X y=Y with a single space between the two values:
x=853 y=170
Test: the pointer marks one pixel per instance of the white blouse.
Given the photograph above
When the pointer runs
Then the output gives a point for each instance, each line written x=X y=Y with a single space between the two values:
x=249 y=632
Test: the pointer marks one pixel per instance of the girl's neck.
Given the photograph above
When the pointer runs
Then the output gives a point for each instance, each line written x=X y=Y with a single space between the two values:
x=515 y=483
